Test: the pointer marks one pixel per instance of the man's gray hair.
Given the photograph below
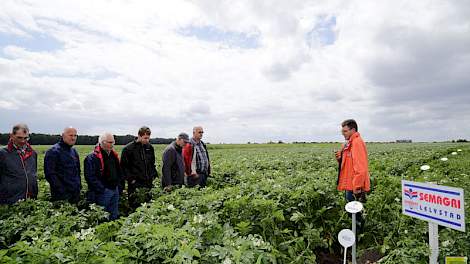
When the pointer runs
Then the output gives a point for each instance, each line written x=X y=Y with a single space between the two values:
x=20 y=126
x=103 y=137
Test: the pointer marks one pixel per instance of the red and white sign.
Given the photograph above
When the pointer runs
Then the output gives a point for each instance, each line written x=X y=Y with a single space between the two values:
x=442 y=205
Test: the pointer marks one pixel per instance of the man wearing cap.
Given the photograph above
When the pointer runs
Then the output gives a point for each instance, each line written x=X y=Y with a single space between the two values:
x=62 y=168
x=18 y=168
x=173 y=165
x=196 y=159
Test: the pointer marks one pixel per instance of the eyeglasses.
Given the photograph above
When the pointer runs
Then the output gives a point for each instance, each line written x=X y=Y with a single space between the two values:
x=201 y=132
x=22 y=138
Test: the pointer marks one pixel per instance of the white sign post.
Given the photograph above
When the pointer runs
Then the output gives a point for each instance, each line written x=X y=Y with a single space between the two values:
x=354 y=207
x=346 y=238
x=439 y=205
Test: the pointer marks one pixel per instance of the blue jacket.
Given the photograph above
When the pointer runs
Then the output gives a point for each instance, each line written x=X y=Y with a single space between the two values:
x=18 y=174
x=62 y=171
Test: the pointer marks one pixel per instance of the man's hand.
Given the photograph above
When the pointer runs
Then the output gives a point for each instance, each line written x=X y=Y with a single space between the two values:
x=357 y=191
x=194 y=175
x=168 y=188
x=338 y=155
x=359 y=196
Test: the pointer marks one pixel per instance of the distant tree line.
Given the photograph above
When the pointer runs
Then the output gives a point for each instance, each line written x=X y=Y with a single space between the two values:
x=46 y=139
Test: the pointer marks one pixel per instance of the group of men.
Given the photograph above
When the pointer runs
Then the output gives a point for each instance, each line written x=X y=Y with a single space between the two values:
x=185 y=162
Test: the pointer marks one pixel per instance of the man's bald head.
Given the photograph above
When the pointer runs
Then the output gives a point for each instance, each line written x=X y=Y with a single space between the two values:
x=197 y=133
x=69 y=135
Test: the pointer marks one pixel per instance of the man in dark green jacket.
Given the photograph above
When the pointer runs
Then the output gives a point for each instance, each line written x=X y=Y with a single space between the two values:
x=173 y=164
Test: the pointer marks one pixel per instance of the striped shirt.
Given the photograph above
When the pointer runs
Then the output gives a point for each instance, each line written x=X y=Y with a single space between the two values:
x=200 y=162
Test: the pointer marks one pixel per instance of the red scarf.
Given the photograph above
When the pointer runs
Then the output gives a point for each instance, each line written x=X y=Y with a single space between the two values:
x=24 y=154
x=99 y=155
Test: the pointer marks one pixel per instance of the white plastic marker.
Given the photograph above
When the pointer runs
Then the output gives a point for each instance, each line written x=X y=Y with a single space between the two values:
x=454 y=153
x=346 y=239
x=425 y=167
x=354 y=207
x=444 y=159
x=459 y=150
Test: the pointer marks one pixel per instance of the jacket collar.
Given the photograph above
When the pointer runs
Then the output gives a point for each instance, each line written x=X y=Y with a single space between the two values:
x=98 y=153
x=63 y=144
x=25 y=152
x=351 y=139
x=354 y=136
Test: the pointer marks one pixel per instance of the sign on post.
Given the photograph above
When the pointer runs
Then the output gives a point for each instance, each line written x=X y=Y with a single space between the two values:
x=346 y=238
x=434 y=203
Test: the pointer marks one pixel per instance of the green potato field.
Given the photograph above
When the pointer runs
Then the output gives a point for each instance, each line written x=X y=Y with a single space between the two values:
x=265 y=203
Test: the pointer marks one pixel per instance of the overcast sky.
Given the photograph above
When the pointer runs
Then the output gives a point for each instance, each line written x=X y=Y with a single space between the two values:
x=245 y=70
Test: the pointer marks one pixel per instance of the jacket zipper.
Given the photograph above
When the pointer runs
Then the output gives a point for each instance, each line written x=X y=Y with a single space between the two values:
x=145 y=161
x=26 y=175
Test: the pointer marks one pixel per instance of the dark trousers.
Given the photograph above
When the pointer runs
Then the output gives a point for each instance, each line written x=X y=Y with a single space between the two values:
x=203 y=179
x=192 y=181
x=109 y=199
x=361 y=197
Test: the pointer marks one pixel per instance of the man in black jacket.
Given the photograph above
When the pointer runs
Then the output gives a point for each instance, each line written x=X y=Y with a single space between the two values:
x=173 y=165
x=138 y=165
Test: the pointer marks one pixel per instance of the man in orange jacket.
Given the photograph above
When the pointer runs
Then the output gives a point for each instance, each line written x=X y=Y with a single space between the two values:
x=353 y=174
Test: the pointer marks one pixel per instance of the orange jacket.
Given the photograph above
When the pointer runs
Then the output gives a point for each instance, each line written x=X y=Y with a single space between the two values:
x=354 y=171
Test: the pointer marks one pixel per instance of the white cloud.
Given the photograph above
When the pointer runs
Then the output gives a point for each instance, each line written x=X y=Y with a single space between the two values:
x=123 y=64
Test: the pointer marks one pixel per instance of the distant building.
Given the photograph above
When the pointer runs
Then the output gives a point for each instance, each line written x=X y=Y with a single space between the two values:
x=404 y=141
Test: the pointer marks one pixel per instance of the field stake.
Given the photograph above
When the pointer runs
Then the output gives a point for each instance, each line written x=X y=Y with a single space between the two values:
x=354 y=245
x=433 y=242
x=353 y=208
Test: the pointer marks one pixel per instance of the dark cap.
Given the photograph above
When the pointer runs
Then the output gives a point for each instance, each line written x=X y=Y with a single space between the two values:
x=184 y=136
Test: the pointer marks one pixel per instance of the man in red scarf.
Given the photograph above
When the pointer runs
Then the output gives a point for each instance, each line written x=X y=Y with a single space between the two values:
x=18 y=168
x=104 y=176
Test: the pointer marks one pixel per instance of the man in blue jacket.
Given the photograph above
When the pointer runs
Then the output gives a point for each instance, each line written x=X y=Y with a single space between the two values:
x=18 y=168
x=62 y=168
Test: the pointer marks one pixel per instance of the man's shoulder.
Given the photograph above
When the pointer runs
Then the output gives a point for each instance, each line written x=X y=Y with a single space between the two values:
x=149 y=146
x=131 y=145
x=91 y=156
x=3 y=151
x=56 y=148
x=359 y=139
x=358 y=142
x=170 y=148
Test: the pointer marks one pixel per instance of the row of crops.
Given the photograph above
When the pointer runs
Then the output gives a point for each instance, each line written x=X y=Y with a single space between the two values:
x=264 y=204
